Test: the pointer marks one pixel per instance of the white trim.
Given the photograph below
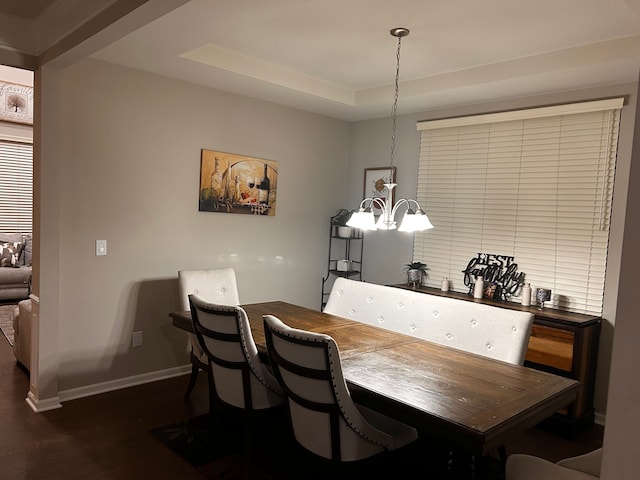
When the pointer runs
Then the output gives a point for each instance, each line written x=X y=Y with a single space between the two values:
x=554 y=110
x=16 y=138
x=40 y=406
x=111 y=385
x=599 y=419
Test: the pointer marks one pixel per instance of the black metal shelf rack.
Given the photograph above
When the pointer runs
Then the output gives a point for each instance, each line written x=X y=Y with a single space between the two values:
x=349 y=249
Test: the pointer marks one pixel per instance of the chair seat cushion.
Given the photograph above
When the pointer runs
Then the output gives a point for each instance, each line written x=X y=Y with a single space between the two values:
x=402 y=434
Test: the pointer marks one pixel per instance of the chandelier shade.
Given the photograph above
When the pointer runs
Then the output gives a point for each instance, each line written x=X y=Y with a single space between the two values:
x=414 y=219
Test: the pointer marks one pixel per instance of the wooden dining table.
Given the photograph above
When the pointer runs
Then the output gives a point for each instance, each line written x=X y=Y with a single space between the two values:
x=471 y=402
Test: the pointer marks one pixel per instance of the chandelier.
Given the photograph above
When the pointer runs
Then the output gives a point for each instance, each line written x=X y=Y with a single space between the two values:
x=414 y=219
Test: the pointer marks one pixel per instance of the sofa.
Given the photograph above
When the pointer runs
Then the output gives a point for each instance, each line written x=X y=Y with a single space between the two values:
x=494 y=332
x=15 y=266
x=22 y=320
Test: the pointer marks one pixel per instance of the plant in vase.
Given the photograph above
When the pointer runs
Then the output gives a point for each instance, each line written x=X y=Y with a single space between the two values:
x=340 y=220
x=415 y=273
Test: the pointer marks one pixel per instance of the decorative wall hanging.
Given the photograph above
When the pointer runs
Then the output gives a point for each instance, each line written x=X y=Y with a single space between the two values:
x=374 y=185
x=231 y=183
x=16 y=103
x=499 y=274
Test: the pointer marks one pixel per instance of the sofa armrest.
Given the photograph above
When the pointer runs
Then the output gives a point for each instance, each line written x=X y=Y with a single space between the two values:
x=22 y=334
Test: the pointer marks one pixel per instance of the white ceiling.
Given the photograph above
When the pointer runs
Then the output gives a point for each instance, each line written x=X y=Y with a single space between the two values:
x=336 y=57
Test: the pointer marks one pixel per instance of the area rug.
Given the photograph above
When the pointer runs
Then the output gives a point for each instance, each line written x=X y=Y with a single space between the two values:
x=216 y=452
x=6 y=321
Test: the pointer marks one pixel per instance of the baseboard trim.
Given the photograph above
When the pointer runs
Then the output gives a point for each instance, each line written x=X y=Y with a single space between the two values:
x=44 y=405
x=103 y=387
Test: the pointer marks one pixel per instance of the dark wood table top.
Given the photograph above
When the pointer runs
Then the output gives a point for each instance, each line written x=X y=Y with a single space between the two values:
x=471 y=401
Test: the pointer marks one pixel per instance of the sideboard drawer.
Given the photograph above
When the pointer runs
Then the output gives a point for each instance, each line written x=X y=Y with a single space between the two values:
x=552 y=347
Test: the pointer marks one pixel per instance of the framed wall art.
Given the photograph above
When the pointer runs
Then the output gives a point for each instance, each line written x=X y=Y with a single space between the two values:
x=232 y=183
x=374 y=180
x=16 y=103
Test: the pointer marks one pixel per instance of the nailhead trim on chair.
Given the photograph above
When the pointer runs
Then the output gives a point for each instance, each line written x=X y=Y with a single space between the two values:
x=243 y=341
x=328 y=341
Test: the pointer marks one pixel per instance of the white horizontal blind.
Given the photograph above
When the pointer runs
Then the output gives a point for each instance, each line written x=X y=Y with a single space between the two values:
x=538 y=188
x=16 y=187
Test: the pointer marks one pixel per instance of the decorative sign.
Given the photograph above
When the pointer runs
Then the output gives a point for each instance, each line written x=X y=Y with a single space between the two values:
x=499 y=272
x=16 y=103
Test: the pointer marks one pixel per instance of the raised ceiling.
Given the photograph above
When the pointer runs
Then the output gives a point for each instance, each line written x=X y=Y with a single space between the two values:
x=29 y=9
x=336 y=57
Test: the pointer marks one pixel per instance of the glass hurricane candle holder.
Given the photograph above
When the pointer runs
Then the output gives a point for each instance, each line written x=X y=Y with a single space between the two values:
x=543 y=295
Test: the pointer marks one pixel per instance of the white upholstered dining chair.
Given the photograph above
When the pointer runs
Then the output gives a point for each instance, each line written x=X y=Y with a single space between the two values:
x=324 y=418
x=528 y=467
x=216 y=285
x=242 y=382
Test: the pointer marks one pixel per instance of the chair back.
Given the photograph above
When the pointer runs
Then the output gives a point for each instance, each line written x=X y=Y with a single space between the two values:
x=215 y=285
x=240 y=378
x=324 y=418
x=494 y=332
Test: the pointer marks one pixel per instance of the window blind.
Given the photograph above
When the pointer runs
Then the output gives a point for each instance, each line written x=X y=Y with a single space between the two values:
x=16 y=187
x=535 y=184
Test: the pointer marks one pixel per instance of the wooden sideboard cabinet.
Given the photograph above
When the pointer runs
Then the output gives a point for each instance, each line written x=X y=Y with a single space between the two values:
x=561 y=342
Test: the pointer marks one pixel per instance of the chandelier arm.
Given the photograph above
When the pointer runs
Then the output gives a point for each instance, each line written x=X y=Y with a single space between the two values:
x=374 y=201
x=398 y=203
x=417 y=205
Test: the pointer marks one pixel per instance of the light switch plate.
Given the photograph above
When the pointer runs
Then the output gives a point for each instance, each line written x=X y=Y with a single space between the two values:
x=101 y=247
x=136 y=339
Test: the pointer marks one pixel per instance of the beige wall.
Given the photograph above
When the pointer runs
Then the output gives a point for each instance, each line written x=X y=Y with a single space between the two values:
x=620 y=461
x=383 y=264
x=120 y=161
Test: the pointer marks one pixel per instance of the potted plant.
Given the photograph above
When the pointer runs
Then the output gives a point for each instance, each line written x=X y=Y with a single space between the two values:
x=415 y=273
x=340 y=220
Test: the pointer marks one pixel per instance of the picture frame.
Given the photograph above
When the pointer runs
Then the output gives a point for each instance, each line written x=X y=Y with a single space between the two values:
x=233 y=183
x=492 y=291
x=16 y=103
x=374 y=180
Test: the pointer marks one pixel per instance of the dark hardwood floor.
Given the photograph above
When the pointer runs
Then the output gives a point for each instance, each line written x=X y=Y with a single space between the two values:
x=100 y=437
x=107 y=436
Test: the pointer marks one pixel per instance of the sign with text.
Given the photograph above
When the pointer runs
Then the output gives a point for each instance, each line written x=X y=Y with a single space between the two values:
x=499 y=272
